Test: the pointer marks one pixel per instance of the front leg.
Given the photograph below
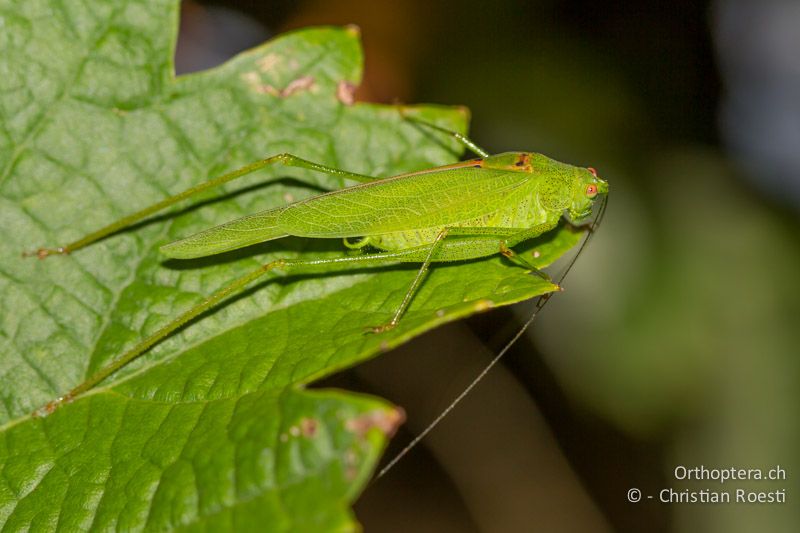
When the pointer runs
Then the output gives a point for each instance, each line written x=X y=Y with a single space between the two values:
x=517 y=259
x=524 y=235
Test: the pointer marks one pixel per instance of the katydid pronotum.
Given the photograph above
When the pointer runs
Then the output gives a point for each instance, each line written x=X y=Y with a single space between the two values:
x=466 y=210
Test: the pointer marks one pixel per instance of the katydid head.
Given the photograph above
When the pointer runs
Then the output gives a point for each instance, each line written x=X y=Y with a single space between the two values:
x=587 y=186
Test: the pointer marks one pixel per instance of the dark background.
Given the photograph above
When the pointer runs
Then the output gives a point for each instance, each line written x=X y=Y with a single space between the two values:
x=676 y=342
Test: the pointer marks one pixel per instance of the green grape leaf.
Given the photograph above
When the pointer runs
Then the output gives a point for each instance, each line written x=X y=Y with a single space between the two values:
x=212 y=428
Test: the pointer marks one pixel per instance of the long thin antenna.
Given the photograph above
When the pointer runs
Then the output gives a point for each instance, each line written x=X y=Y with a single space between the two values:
x=540 y=303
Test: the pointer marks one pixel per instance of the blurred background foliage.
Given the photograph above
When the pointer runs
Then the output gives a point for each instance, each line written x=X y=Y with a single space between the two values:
x=676 y=341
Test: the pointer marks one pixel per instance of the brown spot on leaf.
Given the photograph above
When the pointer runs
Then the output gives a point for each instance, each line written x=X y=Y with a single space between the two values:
x=387 y=421
x=253 y=80
x=52 y=406
x=308 y=427
x=300 y=84
x=268 y=62
x=44 y=253
x=251 y=77
x=346 y=92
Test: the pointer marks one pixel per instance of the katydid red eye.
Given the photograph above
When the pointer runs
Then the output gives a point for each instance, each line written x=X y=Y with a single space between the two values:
x=591 y=190
x=592 y=170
